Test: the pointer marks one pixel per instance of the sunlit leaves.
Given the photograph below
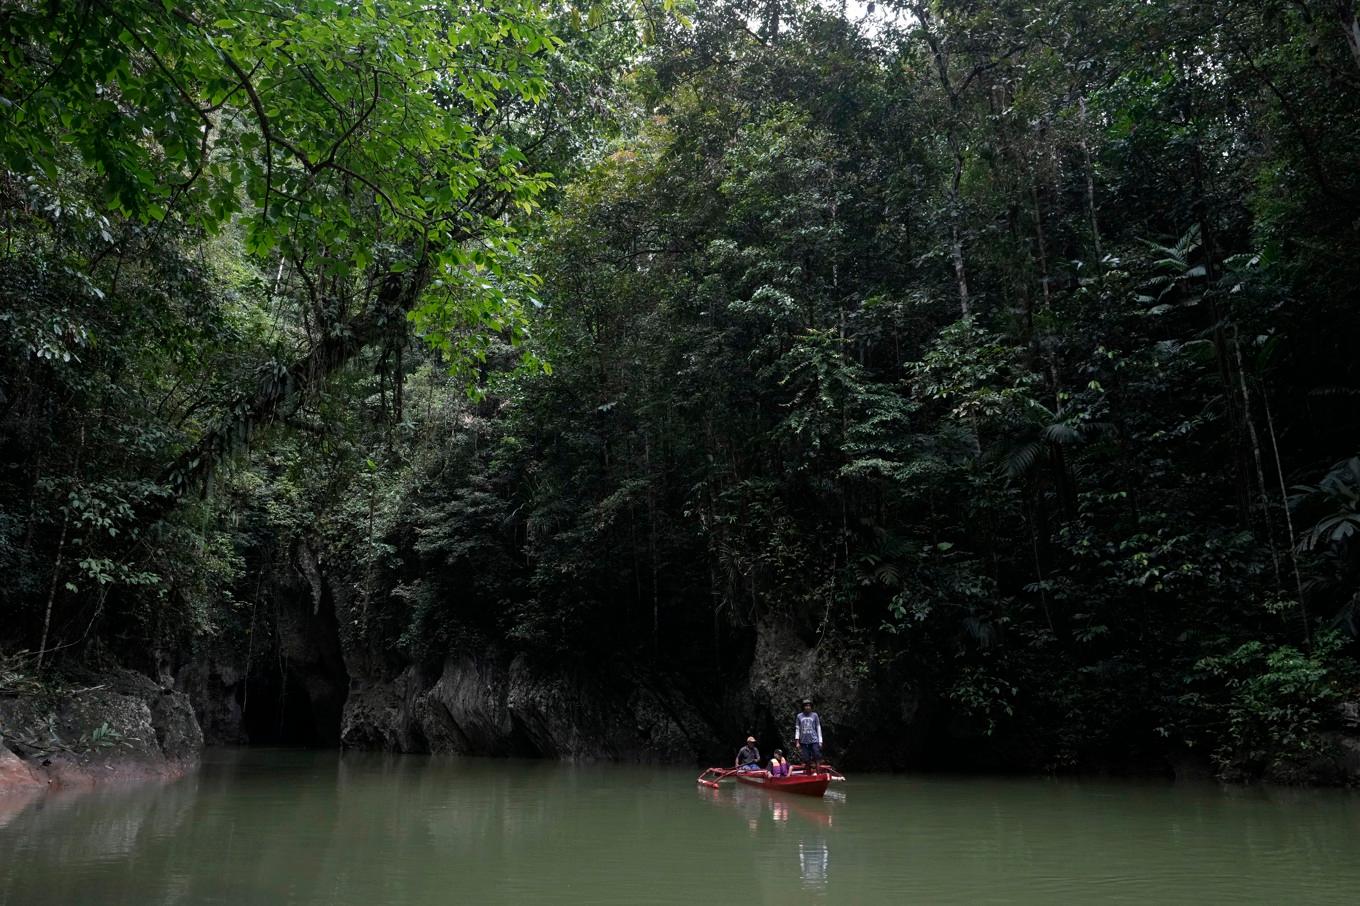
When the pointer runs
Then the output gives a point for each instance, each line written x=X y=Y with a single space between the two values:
x=327 y=125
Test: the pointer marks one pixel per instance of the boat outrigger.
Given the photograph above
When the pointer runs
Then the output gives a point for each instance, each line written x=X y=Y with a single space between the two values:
x=806 y=783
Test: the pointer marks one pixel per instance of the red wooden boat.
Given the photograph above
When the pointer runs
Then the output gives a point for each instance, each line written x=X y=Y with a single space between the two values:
x=803 y=783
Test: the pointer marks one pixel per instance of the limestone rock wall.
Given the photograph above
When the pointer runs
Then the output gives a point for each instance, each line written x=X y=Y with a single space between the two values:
x=122 y=726
x=870 y=718
x=489 y=703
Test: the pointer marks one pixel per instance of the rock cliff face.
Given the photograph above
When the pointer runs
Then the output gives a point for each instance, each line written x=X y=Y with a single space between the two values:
x=122 y=727
x=495 y=704
x=307 y=677
x=385 y=713
x=869 y=720
x=214 y=684
x=312 y=682
x=287 y=680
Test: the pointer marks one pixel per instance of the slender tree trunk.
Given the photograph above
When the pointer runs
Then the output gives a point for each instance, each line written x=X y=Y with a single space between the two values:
x=1035 y=521
x=651 y=544
x=1090 y=185
x=52 y=588
x=398 y=383
x=960 y=273
x=1041 y=244
x=61 y=551
x=1256 y=454
x=956 y=234
x=1288 y=520
x=637 y=565
x=716 y=597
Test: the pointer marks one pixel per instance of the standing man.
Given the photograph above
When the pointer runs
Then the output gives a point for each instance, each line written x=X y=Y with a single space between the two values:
x=807 y=734
x=748 y=759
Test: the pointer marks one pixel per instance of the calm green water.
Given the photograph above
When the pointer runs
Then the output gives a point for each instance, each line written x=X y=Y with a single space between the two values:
x=263 y=827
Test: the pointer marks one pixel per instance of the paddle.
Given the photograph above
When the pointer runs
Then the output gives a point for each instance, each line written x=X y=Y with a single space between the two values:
x=719 y=774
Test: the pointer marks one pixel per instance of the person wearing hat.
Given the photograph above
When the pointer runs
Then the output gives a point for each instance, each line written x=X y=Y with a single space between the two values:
x=748 y=759
x=807 y=735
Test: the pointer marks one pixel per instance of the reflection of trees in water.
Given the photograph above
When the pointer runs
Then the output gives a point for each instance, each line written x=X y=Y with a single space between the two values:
x=316 y=827
x=108 y=827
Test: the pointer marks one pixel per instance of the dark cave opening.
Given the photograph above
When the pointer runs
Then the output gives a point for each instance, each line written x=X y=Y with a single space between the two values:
x=293 y=706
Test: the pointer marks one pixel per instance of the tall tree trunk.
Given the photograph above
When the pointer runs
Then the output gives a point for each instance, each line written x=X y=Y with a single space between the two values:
x=1041 y=244
x=956 y=242
x=1090 y=185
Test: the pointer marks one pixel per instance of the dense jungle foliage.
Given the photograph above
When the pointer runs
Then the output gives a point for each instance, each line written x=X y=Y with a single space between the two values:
x=1010 y=344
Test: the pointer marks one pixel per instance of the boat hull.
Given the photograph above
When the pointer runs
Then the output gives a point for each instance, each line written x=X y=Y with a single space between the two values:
x=803 y=784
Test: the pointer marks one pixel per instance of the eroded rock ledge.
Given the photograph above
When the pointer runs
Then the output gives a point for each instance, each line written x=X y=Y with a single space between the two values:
x=121 y=728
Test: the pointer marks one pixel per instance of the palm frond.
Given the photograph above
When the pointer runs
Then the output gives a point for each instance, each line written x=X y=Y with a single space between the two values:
x=1021 y=459
x=1062 y=433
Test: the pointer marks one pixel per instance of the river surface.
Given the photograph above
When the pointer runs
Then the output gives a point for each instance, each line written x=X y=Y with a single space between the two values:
x=297 y=827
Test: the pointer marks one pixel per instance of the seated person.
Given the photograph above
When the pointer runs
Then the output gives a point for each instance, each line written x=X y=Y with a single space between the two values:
x=779 y=766
x=748 y=759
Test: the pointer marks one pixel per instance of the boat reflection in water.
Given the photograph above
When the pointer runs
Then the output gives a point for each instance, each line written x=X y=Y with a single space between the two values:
x=805 y=824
